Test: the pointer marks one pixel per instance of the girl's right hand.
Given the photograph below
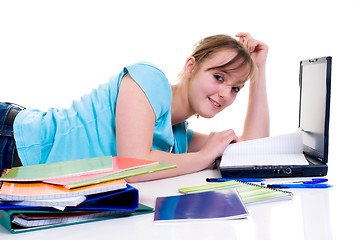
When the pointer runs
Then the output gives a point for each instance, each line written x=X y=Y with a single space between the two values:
x=216 y=143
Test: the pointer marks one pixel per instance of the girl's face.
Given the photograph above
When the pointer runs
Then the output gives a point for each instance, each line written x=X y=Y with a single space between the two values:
x=212 y=90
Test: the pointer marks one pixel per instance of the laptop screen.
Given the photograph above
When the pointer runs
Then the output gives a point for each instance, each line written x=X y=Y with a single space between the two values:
x=315 y=77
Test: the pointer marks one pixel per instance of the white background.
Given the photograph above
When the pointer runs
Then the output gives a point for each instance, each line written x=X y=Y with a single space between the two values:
x=52 y=52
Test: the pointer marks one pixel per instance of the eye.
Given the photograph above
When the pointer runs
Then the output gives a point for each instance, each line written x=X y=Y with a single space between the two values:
x=218 y=77
x=236 y=89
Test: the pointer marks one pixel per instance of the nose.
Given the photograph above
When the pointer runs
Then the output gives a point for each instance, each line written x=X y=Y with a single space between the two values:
x=224 y=91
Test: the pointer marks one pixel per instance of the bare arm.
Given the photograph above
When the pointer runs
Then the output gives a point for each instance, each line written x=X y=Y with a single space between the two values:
x=256 y=124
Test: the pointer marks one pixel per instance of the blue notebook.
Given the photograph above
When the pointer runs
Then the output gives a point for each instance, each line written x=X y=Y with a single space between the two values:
x=123 y=199
x=213 y=205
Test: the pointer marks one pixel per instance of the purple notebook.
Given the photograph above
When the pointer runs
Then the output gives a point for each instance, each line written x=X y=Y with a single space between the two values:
x=212 y=205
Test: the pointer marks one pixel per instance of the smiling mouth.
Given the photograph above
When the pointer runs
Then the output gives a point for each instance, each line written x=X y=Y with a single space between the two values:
x=216 y=104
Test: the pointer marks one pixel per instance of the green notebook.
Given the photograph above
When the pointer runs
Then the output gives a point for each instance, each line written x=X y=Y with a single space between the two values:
x=249 y=192
x=8 y=218
x=40 y=172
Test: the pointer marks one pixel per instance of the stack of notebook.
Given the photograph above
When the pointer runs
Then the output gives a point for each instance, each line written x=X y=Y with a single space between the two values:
x=63 y=193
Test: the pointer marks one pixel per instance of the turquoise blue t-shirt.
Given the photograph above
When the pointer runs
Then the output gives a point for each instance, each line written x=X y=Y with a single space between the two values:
x=88 y=128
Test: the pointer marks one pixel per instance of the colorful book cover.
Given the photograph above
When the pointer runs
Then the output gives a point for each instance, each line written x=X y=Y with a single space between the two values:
x=17 y=191
x=40 y=172
x=120 y=164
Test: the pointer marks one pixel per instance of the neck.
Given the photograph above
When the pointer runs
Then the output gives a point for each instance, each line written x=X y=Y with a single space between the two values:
x=180 y=106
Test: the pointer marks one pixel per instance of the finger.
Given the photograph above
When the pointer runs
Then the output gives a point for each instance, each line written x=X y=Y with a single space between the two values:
x=241 y=40
x=248 y=42
x=245 y=43
x=230 y=135
x=252 y=45
x=243 y=34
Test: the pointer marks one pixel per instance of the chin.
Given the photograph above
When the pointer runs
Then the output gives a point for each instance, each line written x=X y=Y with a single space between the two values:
x=208 y=115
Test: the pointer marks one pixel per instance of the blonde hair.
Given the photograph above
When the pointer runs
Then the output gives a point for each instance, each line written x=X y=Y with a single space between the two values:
x=212 y=44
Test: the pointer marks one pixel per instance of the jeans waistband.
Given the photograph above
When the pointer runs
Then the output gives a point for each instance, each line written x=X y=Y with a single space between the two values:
x=10 y=118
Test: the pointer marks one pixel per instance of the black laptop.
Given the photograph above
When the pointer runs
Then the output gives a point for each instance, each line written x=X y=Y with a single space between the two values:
x=314 y=108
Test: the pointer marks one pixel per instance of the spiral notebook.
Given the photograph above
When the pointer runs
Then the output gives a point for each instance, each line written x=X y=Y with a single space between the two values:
x=201 y=206
x=249 y=192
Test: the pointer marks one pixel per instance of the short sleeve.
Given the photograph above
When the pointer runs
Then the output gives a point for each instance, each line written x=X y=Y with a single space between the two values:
x=154 y=84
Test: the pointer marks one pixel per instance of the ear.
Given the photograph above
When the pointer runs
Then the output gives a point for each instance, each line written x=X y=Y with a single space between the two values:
x=190 y=65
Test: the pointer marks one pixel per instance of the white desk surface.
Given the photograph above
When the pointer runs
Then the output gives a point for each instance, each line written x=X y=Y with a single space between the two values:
x=311 y=214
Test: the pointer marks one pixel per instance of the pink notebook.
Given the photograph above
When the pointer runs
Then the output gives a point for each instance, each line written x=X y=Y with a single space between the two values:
x=119 y=164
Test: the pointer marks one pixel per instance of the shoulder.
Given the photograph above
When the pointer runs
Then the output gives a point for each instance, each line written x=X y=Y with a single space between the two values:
x=153 y=83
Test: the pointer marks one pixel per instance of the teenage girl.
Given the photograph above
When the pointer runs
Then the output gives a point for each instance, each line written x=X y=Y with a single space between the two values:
x=138 y=114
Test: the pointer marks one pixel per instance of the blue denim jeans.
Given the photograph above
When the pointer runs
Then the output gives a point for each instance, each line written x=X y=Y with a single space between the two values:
x=7 y=142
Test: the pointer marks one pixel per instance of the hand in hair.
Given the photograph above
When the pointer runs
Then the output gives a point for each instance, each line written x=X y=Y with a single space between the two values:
x=257 y=49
